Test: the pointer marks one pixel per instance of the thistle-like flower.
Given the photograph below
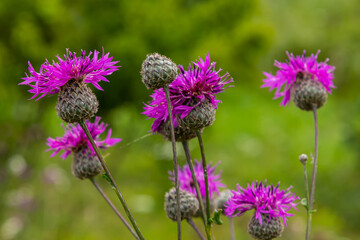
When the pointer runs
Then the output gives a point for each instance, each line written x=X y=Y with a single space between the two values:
x=187 y=184
x=75 y=141
x=264 y=198
x=199 y=86
x=304 y=78
x=69 y=76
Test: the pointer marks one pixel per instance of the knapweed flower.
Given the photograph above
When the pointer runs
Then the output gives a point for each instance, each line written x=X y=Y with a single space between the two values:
x=85 y=164
x=264 y=199
x=201 y=83
x=52 y=76
x=300 y=71
x=70 y=76
x=75 y=138
x=186 y=182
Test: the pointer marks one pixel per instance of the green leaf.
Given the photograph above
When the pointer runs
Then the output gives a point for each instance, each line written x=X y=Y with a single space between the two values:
x=107 y=178
x=216 y=219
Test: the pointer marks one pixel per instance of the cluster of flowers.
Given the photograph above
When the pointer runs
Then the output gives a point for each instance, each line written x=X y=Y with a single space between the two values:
x=193 y=97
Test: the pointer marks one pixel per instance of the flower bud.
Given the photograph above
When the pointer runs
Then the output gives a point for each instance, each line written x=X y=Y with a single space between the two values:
x=181 y=134
x=308 y=93
x=76 y=102
x=223 y=198
x=303 y=158
x=158 y=71
x=188 y=204
x=267 y=230
x=201 y=116
x=86 y=164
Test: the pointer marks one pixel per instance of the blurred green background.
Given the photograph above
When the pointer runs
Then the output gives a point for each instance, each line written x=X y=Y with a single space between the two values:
x=253 y=137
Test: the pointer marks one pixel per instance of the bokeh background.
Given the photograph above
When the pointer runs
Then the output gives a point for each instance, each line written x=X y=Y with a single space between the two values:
x=253 y=137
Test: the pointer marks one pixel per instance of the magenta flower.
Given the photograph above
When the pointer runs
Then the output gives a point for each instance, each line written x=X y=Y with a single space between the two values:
x=285 y=77
x=56 y=74
x=187 y=184
x=264 y=199
x=199 y=83
x=75 y=137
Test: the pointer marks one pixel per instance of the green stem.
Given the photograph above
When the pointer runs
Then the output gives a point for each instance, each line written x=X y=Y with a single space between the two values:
x=193 y=225
x=196 y=184
x=113 y=183
x=176 y=168
x=208 y=228
x=102 y=193
x=313 y=177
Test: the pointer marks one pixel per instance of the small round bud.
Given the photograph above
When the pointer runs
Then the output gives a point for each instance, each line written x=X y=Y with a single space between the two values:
x=86 y=164
x=181 y=134
x=303 y=158
x=158 y=71
x=76 y=102
x=223 y=198
x=308 y=92
x=188 y=204
x=201 y=116
x=268 y=230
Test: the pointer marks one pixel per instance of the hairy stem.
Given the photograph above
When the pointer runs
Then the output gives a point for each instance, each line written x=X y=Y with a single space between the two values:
x=113 y=183
x=102 y=193
x=196 y=184
x=176 y=168
x=313 y=177
x=208 y=227
x=193 y=225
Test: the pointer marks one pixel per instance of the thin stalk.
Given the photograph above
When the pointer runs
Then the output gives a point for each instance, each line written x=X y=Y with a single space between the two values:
x=103 y=194
x=193 y=225
x=196 y=184
x=313 y=177
x=176 y=168
x=113 y=183
x=208 y=229
x=307 y=202
x=232 y=230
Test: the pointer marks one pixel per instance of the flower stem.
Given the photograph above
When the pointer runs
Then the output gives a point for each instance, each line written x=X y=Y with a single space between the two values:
x=193 y=225
x=313 y=177
x=176 y=168
x=232 y=230
x=97 y=186
x=208 y=227
x=113 y=183
x=196 y=184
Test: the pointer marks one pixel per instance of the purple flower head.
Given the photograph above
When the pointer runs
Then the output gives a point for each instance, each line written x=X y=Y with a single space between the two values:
x=199 y=83
x=264 y=199
x=187 y=184
x=75 y=137
x=288 y=71
x=56 y=74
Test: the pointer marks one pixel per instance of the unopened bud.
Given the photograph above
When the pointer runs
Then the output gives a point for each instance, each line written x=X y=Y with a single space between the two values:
x=303 y=158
